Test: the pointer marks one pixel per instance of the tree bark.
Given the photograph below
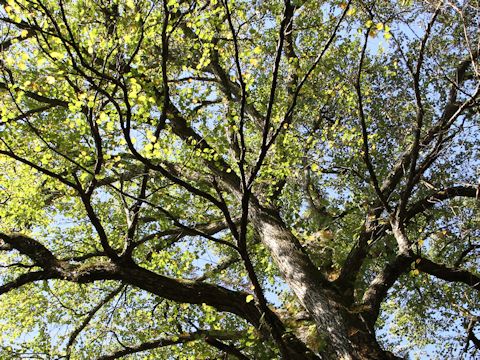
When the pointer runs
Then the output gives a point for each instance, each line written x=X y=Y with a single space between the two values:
x=343 y=334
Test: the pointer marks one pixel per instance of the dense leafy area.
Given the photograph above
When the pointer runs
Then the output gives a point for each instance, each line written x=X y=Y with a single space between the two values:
x=179 y=178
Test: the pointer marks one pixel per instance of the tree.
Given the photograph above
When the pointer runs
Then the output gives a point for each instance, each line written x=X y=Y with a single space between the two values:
x=236 y=179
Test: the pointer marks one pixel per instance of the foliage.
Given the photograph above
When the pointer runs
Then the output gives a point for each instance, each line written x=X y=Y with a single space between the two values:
x=196 y=179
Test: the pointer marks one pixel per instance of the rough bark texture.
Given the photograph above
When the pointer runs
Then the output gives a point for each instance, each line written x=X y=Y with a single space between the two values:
x=343 y=334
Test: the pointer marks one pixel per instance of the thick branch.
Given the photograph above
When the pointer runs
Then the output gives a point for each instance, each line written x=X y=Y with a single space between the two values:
x=38 y=253
x=448 y=274
x=24 y=279
x=440 y=195
x=377 y=291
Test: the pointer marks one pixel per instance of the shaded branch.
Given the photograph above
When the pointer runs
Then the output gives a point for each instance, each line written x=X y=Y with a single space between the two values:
x=440 y=195
x=25 y=279
x=448 y=274
x=173 y=340
x=378 y=288
x=361 y=114
x=38 y=253
x=226 y=348
x=90 y=315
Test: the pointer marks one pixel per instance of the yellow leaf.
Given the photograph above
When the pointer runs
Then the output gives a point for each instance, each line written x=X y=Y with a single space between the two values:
x=24 y=33
x=9 y=60
x=249 y=298
x=50 y=80
x=379 y=26
x=56 y=55
x=351 y=12
x=103 y=117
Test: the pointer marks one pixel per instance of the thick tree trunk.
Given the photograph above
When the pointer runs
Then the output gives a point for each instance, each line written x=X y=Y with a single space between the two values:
x=343 y=334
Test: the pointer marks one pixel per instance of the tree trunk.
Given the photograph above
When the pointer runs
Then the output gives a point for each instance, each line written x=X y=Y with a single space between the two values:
x=343 y=334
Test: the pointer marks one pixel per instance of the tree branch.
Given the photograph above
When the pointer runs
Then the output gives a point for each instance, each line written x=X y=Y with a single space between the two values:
x=25 y=279
x=90 y=315
x=448 y=274
x=438 y=196
x=173 y=340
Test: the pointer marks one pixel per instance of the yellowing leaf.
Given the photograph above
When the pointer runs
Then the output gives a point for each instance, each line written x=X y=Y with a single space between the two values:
x=41 y=61
x=379 y=26
x=56 y=55
x=9 y=60
x=50 y=80
x=351 y=12
x=249 y=298
x=103 y=117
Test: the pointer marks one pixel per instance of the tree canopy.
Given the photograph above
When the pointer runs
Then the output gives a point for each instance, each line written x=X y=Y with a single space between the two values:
x=222 y=179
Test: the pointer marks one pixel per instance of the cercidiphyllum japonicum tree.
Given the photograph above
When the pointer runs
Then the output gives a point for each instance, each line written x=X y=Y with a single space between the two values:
x=259 y=180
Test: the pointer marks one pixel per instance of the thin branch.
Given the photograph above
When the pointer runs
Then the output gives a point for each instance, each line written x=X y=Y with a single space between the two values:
x=172 y=340
x=89 y=317
x=226 y=348
x=361 y=114
x=419 y=119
